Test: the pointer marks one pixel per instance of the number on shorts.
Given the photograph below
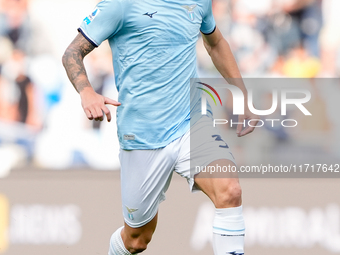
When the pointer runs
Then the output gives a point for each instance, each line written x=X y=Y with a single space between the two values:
x=219 y=139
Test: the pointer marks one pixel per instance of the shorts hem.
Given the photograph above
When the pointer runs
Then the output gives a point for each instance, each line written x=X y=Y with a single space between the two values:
x=143 y=223
x=155 y=146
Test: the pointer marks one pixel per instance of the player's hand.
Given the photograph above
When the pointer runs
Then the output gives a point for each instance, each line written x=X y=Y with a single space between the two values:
x=94 y=105
x=248 y=115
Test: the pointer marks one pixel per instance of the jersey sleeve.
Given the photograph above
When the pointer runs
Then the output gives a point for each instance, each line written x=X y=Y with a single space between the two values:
x=104 y=22
x=208 y=25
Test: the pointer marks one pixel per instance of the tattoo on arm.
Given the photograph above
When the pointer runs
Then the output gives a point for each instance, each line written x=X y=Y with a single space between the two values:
x=73 y=62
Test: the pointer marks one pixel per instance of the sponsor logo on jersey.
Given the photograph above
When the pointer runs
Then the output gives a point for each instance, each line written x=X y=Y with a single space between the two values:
x=91 y=17
x=129 y=137
x=190 y=10
x=149 y=14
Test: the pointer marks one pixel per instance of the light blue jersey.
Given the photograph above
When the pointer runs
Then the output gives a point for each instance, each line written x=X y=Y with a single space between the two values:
x=154 y=56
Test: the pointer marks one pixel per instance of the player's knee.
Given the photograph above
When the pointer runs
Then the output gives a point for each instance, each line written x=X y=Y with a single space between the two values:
x=230 y=196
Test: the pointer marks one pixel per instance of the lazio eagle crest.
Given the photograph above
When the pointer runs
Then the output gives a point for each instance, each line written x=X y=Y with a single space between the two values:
x=190 y=10
x=130 y=211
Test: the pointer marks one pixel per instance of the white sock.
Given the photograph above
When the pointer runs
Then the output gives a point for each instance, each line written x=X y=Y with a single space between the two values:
x=228 y=230
x=117 y=246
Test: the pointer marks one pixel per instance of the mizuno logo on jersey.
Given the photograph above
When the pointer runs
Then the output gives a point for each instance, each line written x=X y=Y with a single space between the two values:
x=150 y=14
x=234 y=253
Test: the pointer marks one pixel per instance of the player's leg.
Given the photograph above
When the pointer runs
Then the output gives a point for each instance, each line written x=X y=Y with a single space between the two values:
x=127 y=240
x=202 y=148
x=145 y=177
x=225 y=193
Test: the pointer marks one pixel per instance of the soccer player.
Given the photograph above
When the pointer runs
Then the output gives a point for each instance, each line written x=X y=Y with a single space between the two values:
x=154 y=56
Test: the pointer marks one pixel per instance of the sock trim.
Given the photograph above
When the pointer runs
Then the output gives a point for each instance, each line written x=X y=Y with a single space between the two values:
x=230 y=230
x=116 y=243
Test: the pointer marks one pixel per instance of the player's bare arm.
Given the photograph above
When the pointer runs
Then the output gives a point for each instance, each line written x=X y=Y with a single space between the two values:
x=92 y=103
x=73 y=62
x=219 y=50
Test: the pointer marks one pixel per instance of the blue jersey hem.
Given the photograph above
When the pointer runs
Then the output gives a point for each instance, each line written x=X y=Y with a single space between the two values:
x=154 y=146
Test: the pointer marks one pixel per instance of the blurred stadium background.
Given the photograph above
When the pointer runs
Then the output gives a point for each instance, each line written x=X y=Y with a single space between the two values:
x=56 y=198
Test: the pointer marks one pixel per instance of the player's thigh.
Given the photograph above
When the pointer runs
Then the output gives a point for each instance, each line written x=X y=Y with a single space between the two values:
x=204 y=153
x=223 y=188
x=145 y=177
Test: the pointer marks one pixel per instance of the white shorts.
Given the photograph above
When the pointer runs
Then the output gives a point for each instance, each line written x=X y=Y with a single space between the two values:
x=146 y=174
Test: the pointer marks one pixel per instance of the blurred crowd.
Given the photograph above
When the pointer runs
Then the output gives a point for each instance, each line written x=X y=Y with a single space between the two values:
x=281 y=38
x=41 y=121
